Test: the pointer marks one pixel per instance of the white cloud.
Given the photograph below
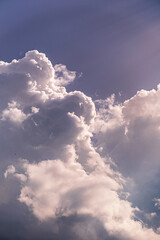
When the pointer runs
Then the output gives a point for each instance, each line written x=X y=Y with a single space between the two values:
x=129 y=133
x=67 y=146
x=13 y=114
x=57 y=188
x=62 y=76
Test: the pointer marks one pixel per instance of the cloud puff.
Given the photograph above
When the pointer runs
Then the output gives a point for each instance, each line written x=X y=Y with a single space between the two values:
x=93 y=194
x=56 y=148
x=62 y=76
x=129 y=133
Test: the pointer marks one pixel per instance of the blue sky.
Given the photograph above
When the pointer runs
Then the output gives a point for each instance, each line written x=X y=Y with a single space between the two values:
x=79 y=119
x=114 y=44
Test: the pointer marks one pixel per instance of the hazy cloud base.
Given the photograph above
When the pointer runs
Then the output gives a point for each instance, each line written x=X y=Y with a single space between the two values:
x=72 y=168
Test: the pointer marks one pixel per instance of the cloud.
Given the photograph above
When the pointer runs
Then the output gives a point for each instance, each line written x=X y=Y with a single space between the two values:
x=129 y=133
x=62 y=76
x=56 y=152
x=14 y=114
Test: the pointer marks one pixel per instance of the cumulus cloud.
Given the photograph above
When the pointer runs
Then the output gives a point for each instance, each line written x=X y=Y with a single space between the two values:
x=62 y=76
x=129 y=133
x=14 y=114
x=59 y=152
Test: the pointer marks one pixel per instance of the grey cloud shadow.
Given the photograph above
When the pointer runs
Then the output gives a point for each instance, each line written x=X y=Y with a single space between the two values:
x=17 y=223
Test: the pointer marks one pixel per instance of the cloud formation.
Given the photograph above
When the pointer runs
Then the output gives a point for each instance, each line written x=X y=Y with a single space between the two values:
x=129 y=134
x=58 y=151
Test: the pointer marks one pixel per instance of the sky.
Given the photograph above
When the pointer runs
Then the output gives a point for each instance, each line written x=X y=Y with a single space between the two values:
x=79 y=119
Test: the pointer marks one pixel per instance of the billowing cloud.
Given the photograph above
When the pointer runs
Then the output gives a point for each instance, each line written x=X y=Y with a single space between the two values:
x=58 y=152
x=129 y=133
